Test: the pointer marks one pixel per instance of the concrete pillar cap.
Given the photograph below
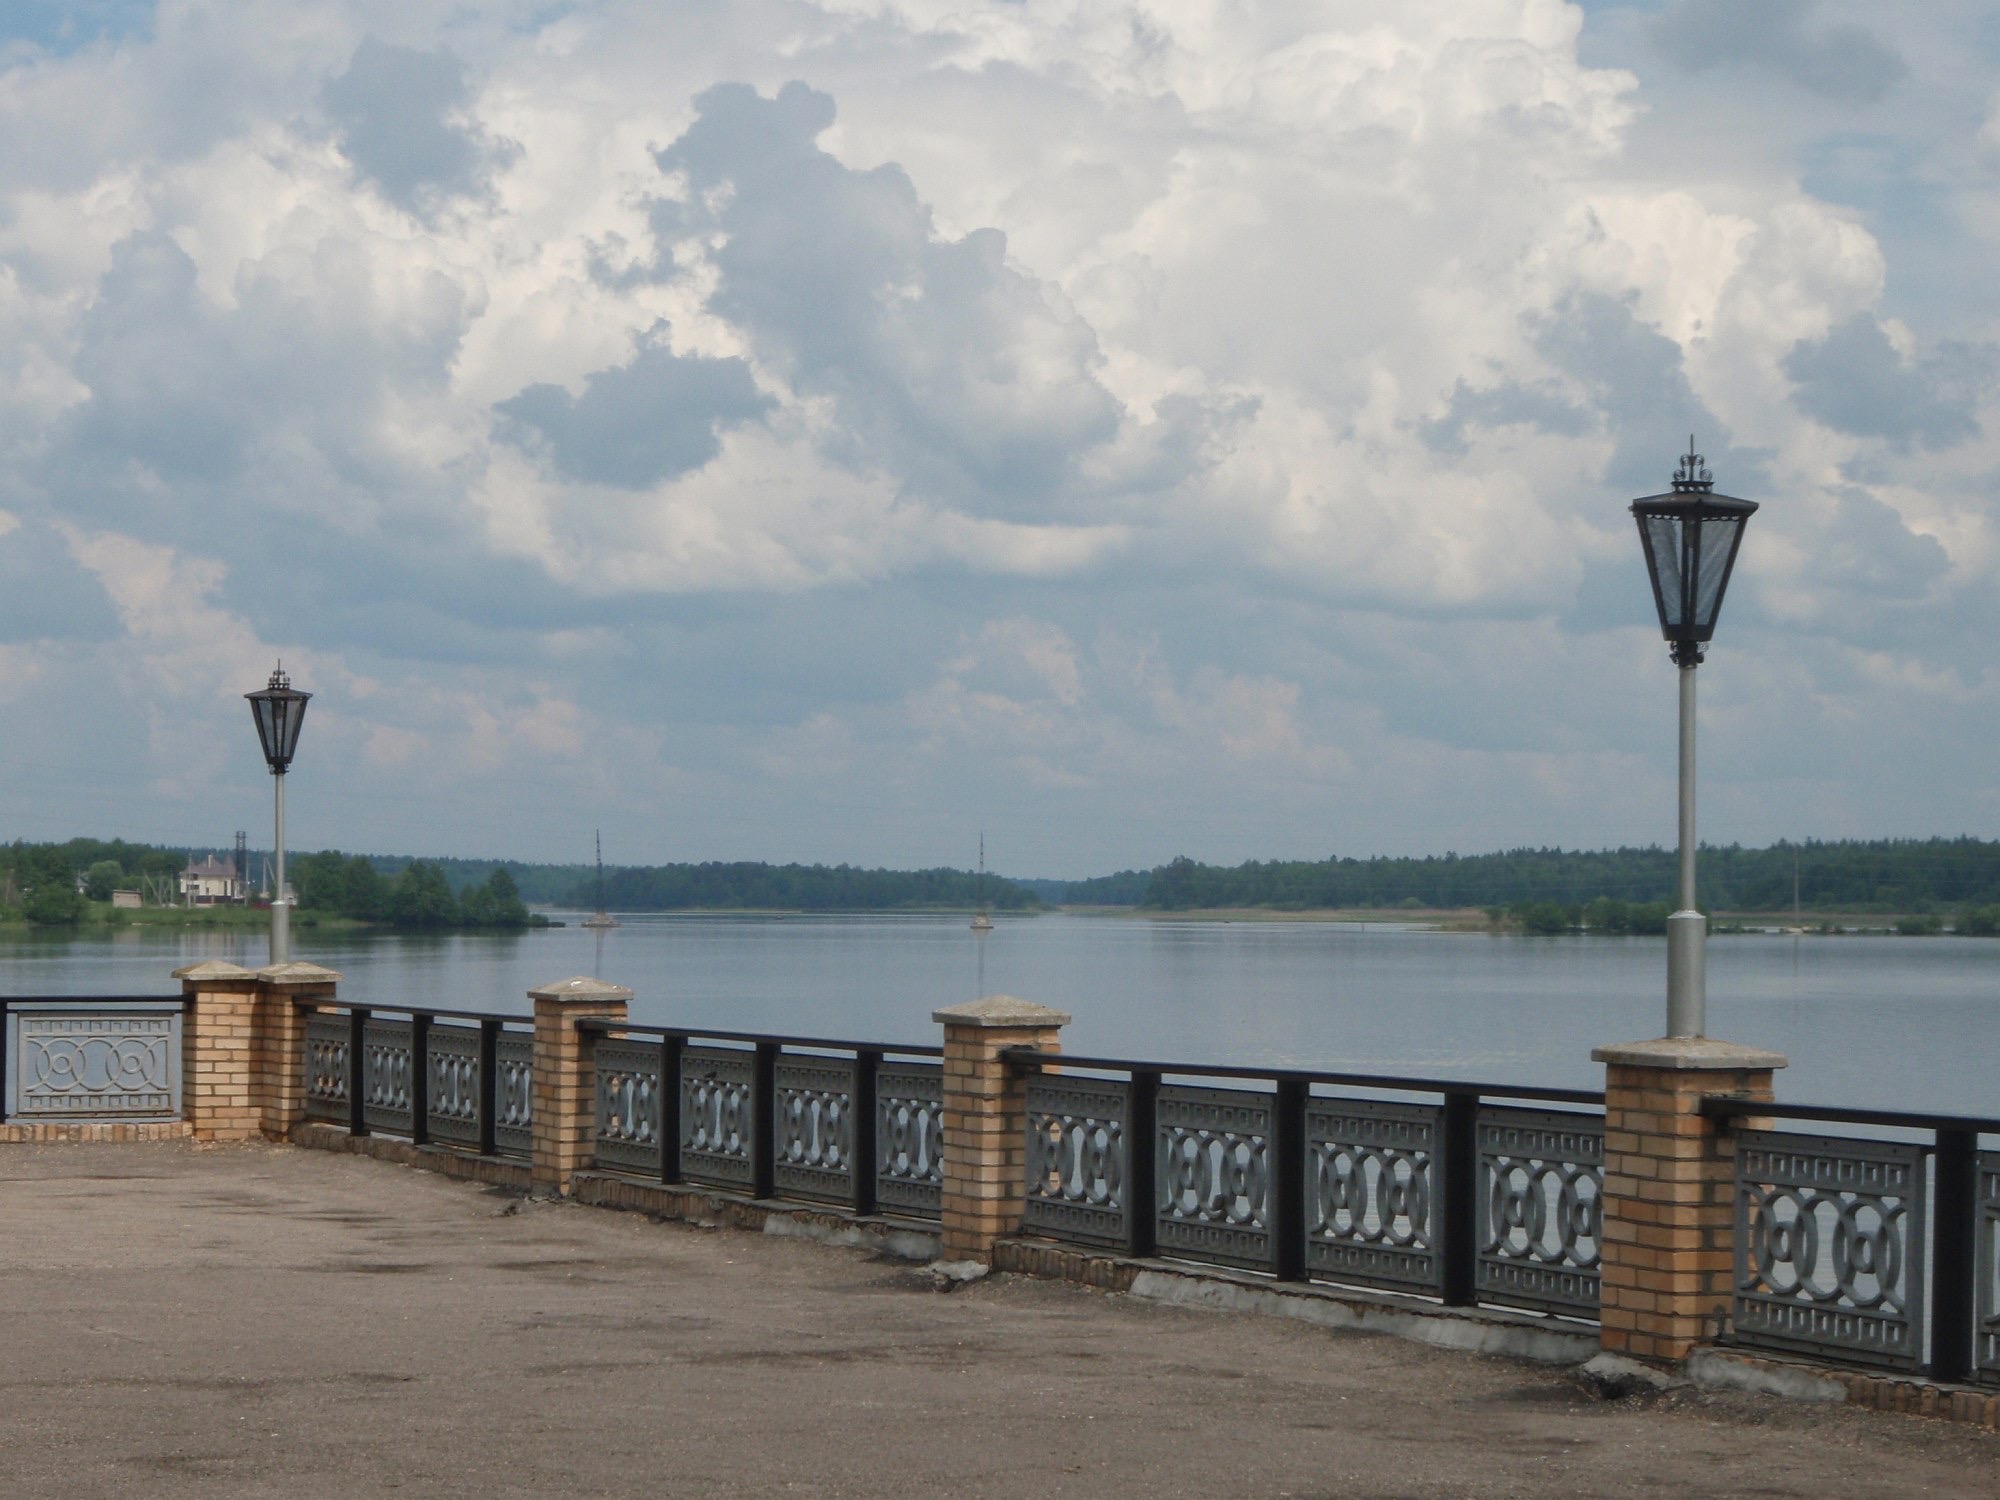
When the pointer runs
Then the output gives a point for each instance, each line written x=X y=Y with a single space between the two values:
x=299 y=973
x=1000 y=1010
x=580 y=988
x=214 y=968
x=1689 y=1053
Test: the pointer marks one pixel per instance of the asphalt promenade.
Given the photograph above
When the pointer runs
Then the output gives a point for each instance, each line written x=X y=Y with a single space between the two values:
x=252 y=1321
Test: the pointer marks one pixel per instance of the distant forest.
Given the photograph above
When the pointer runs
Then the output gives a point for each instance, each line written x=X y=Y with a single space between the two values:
x=761 y=887
x=1879 y=875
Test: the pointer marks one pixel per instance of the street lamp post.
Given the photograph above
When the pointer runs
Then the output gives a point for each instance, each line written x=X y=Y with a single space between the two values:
x=1690 y=536
x=279 y=711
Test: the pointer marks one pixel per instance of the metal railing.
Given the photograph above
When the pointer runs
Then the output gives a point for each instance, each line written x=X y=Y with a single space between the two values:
x=1452 y=1196
x=449 y=1077
x=1868 y=1250
x=89 y=1058
x=773 y=1116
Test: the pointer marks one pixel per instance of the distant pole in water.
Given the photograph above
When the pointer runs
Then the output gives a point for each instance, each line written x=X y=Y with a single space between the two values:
x=981 y=922
x=601 y=919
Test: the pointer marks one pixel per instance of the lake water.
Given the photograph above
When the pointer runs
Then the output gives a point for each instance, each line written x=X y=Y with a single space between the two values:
x=1882 y=1022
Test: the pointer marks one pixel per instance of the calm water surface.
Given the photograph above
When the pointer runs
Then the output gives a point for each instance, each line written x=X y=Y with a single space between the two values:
x=1881 y=1022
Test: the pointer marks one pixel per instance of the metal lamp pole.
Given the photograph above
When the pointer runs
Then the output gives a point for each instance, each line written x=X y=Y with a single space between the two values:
x=1690 y=536
x=279 y=710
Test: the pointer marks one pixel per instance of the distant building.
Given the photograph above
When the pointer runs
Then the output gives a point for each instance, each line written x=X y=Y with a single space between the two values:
x=211 y=882
x=129 y=900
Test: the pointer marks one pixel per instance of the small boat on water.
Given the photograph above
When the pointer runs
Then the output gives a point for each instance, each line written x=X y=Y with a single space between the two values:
x=601 y=918
x=981 y=922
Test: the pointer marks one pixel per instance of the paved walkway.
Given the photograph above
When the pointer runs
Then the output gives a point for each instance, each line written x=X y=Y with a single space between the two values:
x=179 y=1321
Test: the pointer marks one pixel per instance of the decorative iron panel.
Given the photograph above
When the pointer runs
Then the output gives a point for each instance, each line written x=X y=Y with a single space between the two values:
x=1986 y=1341
x=514 y=1094
x=74 y=1062
x=1541 y=1181
x=1077 y=1163
x=909 y=1136
x=716 y=1124
x=452 y=1056
x=628 y=1105
x=385 y=1075
x=1214 y=1174
x=813 y=1110
x=1371 y=1191
x=1830 y=1247
x=326 y=1068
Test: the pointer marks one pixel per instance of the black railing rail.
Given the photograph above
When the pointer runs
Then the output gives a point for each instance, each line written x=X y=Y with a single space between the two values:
x=603 y=1026
x=1033 y=1058
x=401 y=1077
x=819 y=1118
x=1486 y=1196
x=1963 y=1228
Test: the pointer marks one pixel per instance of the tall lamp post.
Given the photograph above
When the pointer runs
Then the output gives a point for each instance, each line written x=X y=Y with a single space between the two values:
x=1690 y=535
x=279 y=710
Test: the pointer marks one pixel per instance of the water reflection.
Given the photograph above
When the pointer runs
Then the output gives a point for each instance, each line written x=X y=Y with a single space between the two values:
x=1880 y=1021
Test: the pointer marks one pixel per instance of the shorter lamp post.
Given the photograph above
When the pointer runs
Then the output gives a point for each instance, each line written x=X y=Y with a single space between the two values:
x=1690 y=535
x=279 y=710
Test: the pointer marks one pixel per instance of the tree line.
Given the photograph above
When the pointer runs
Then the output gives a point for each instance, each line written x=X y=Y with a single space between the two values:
x=418 y=897
x=747 y=886
x=1880 y=875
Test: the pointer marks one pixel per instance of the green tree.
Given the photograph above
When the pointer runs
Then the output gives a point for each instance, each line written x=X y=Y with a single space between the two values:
x=421 y=898
x=102 y=879
x=497 y=903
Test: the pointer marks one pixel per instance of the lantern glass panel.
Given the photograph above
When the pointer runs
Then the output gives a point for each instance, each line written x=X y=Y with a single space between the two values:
x=1663 y=541
x=1718 y=538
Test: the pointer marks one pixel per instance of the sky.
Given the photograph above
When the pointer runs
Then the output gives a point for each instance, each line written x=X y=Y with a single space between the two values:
x=826 y=430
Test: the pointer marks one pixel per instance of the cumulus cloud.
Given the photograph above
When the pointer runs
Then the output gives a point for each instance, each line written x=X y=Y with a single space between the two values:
x=1081 y=411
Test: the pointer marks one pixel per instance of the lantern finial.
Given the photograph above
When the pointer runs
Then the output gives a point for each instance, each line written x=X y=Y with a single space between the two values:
x=1692 y=475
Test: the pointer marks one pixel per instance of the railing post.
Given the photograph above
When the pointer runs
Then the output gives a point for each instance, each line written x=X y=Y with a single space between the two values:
x=1288 y=1180
x=861 y=1135
x=986 y=1119
x=218 y=1035
x=1668 y=1210
x=671 y=1048
x=565 y=1076
x=489 y=1087
x=287 y=996
x=1955 y=1255
x=764 y=1121
x=357 y=1071
x=1142 y=1163
x=420 y=1079
x=1458 y=1199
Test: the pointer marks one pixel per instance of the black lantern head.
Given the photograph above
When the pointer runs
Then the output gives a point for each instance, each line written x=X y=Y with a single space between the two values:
x=1690 y=535
x=279 y=710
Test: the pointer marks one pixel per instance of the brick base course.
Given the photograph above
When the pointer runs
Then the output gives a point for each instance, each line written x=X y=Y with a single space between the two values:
x=22 y=1133
x=460 y=1164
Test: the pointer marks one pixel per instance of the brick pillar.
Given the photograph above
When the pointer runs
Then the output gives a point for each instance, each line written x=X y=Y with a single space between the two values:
x=1669 y=1190
x=278 y=1058
x=985 y=1118
x=565 y=1088
x=218 y=1034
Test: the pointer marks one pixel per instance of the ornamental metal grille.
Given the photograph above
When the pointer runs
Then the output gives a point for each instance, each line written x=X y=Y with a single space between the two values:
x=1986 y=1344
x=1371 y=1191
x=326 y=1068
x=1214 y=1176
x=386 y=1070
x=1077 y=1163
x=813 y=1110
x=716 y=1115
x=1830 y=1247
x=452 y=1095
x=1541 y=1181
x=909 y=1136
x=70 y=1062
x=514 y=1095
x=628 y=1105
